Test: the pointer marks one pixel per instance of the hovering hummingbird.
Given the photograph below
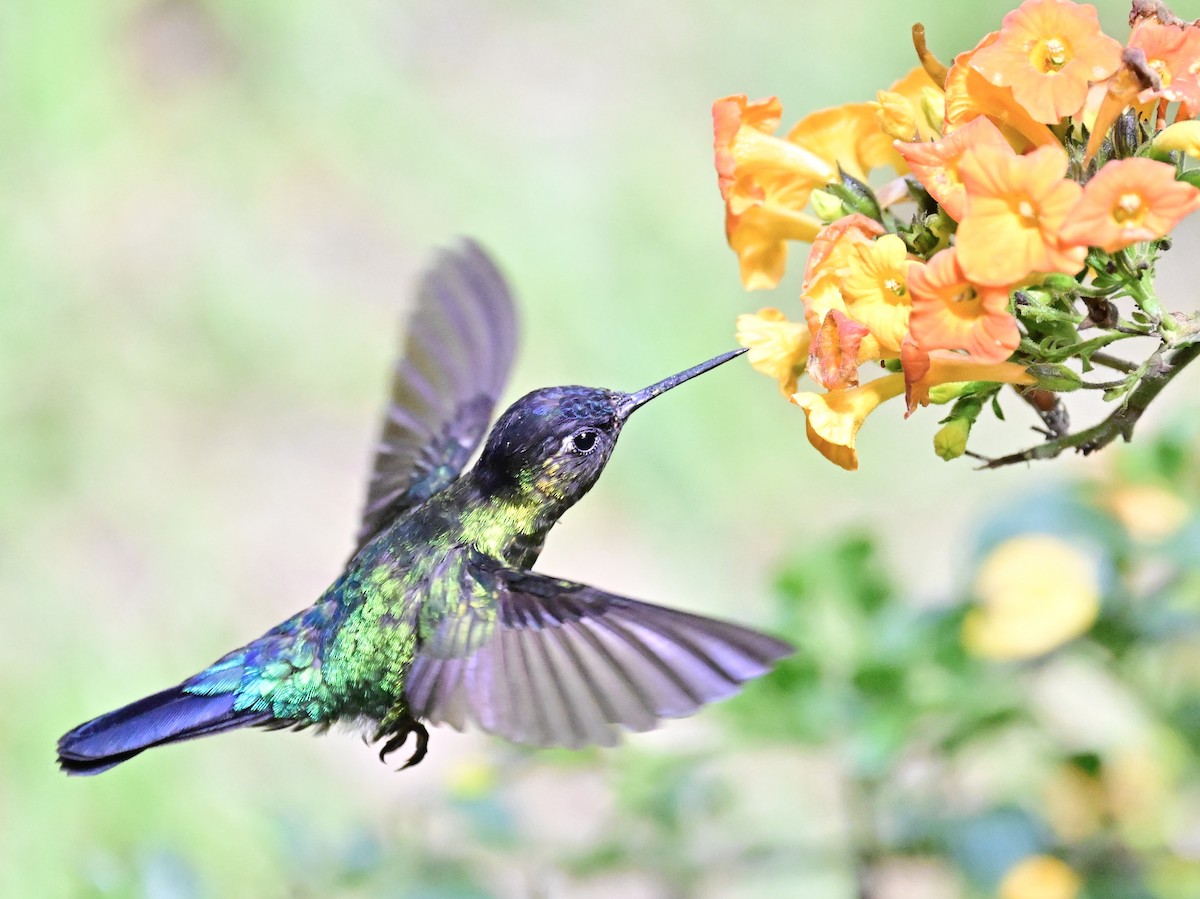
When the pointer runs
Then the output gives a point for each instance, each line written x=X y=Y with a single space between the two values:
x=437 y=617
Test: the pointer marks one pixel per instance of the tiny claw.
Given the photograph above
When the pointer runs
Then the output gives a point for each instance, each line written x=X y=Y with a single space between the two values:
x=422 y=745
x=393 y=744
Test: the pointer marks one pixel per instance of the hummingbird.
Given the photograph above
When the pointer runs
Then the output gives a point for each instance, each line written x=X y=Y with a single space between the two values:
x=437 y=617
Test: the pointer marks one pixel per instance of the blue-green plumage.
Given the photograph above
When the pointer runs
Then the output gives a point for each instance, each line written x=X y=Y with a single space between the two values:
x=436 y=617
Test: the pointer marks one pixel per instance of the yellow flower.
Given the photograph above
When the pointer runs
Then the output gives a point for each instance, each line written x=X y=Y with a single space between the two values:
x=1034 y=593
x=1040 y=877
x=833 y=418
x=1182 y=136
x=874 y=284
x=778 y=347
x=759 y=237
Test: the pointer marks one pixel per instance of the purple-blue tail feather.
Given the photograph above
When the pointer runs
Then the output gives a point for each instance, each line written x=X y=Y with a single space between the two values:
x=166 y=717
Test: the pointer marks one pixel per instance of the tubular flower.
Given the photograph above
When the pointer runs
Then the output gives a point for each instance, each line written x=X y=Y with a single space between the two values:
x=936 y=164
x=924 y=370
x=1127 y=202
x=950 y=313
x=970 y=95
x=749 y=158
x=759 y=236
x=1171 y=53
x=1015 y=207
x=833 y=418
x=874 y=284
x=848 y=137
x=778 y=347
x=1047 y=52
x=1002 y=252
x=1159 y=65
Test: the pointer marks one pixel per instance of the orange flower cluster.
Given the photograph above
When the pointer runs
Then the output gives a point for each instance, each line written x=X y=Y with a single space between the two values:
x=1014 y=163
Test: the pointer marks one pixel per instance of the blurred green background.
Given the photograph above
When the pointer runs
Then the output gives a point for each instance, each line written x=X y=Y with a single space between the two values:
x=213 y=213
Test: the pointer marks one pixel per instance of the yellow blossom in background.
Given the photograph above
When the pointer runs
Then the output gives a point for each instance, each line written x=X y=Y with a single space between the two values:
x=1033 y=594
x=778 y=347
x=471 y=778
x=1149 y=513
x=1047 y=52
x=1040 y=877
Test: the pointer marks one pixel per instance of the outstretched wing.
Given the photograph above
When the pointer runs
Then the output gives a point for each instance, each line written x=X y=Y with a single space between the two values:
x=555 y=663
x=460 y=345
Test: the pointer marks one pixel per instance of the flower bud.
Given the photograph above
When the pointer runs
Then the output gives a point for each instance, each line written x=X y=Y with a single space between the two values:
x=1182 y=136
x=950 y=441
x=933 y=107
x=1055 y=377
x=894 y=112
x=827 y=207
x=857 y=196
x=1060 y=283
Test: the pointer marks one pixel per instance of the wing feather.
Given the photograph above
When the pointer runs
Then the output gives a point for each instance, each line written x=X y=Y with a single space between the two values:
x=555 y=663
x=457 y=356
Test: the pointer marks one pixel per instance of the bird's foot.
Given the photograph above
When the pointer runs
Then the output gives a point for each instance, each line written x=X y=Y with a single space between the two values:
x=400 y=737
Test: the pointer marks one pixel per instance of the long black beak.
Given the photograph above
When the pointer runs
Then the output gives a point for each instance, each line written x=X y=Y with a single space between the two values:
x=634 y=400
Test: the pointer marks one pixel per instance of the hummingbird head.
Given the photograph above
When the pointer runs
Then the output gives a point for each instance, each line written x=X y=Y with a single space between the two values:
x=553 y=443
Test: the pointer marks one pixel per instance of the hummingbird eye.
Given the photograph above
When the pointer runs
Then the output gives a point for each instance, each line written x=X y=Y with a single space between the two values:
x=583 y=442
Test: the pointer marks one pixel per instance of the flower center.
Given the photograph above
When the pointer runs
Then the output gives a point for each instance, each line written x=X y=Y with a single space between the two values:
x=1027 y=213
x=895 y=286
x=1129 y=209
x=1054 y=55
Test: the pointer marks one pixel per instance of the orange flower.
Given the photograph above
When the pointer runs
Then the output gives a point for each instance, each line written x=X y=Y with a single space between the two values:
x=1159 y=64
x=748 y=157
x=911 y=109
x=834 y=359
x=759 y=237
x=848 y=136
x=925 y=370
x=831 y=250
x=1129 y=201
x=1047 y=51
x=969 y=95
x=950 y=313
x=766 y=183
x=1015 y=207
x=874 y=285
x=833 y=418
x=1171 y=53
x=778 y=347
x=936 y=164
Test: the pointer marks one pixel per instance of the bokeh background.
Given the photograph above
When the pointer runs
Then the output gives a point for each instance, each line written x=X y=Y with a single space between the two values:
x=213 y=213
